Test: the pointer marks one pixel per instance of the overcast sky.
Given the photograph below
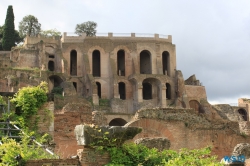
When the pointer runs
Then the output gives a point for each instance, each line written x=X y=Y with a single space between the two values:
x=212 y=37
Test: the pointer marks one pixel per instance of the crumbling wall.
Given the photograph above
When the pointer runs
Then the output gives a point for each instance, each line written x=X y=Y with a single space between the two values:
x=187 y=129
x=75 y=111
x=54 y=162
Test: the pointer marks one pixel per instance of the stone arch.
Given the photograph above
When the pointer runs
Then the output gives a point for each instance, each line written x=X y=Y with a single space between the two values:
x=54 y=81
x=151 y=128
x=73 y=62
x=151 y=89
x=196 y=106
x=117 y=122
x=122 y=90
x=145 y=62
x=102 y=54
x=121 y=62
x=96 y=63
x=51 y=65
x=166 y=63
x=243 y=114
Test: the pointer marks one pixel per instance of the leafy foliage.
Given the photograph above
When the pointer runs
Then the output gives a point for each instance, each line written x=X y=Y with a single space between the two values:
x=26 y=148
x=132 y=154
x=29 y=26
x=57 y=90
x=29 y=100
x=88 y=27
x=8 y=40
x=17 y=37
x=50 y=32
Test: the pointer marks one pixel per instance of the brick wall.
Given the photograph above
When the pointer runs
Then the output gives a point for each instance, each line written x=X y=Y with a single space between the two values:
x=53 y=162
x=65 y=120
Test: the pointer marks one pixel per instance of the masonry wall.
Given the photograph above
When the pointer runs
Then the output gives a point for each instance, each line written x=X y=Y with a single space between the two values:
x=186 y=129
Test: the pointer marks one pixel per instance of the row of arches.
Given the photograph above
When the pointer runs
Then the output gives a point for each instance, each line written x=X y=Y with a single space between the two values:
x=146 y=90
x=145 y=63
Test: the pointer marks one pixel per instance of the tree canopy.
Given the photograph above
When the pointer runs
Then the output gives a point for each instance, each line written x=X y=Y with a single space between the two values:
x=50 y=32
x=17 y=37
x=29 y=26
x=8 y=39
x=88 y=27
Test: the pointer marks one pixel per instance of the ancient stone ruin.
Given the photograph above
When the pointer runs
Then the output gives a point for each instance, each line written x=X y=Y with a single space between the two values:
x=118 y=80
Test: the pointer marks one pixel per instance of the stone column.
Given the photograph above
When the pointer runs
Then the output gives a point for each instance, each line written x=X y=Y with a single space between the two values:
x=116 y=91
x=139 y=91
x=163 y=96
x=95 y=99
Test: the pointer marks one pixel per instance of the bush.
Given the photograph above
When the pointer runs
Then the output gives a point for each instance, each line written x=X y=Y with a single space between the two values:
x=26 y=149
x=132 y=154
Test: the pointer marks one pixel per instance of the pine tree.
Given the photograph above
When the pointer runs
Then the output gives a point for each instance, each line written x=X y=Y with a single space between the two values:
x=8 y=40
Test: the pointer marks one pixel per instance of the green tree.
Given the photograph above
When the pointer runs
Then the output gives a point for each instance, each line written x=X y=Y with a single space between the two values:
x=17 y=37
x=8 y=40
x=1 y=37
x=88 y=27
x=50 y=32
x=29 y=26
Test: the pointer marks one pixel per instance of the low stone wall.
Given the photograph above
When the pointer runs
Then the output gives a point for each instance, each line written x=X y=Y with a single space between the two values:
x=54 y=162
x=91 y=157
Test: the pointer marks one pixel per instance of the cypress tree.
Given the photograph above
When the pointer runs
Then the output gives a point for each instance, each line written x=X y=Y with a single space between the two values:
x=8 y=40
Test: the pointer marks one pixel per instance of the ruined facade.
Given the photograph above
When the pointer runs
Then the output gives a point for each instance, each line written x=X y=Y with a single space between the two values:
x=118 y=73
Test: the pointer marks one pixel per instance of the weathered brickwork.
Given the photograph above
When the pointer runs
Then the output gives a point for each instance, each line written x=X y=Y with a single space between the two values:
x=54 y=162
x=113 y=77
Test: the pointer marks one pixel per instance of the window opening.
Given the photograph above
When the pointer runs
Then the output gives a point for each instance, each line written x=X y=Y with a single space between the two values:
x=122 y=90
x=121 y=63
x=73 y=63
x=147 y=91
x=96 y=63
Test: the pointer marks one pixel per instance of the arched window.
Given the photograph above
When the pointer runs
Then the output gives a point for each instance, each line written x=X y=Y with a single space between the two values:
x=196 y=106
x=117 y=122
x=99 y=92
x=122 y=90
x=243 y=114
x=147 y=91
x=168 y=91
x=96 y=63
x=145 y=62
x=165 y=63
x=73 y=63
x=51 y=66
x=121 y=63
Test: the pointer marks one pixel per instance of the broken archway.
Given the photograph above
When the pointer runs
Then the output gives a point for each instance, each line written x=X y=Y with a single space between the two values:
x=117 y=122
x=54 y=82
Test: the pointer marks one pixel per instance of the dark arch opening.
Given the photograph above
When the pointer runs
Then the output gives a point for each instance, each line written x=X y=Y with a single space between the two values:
x=117 y=122
x=145 y=62
x=73 y=63
x=99 y=89
x=146 y=91
x=56 y=80
x=122 y=90
x=121 y=63
x=165 y=63
x=168 y=91
x=75 y=85
x=243 y=114
x=96 y=63
x=55 y=86
x=51 y=66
